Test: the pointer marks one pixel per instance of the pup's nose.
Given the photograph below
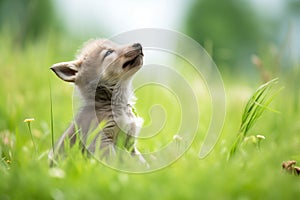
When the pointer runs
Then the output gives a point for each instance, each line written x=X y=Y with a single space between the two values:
x=137 y=45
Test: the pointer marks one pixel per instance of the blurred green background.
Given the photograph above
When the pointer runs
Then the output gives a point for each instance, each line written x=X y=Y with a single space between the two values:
x=251 y=42
x=231 y=31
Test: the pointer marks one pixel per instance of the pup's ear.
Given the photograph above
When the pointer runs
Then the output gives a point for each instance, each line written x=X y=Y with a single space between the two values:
x=67 y=71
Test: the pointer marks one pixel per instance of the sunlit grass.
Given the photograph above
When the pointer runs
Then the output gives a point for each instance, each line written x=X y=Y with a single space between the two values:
x=24 y=92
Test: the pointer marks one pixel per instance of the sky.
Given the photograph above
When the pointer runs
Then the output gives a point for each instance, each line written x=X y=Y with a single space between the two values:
x=106 y=18
x=116 y=16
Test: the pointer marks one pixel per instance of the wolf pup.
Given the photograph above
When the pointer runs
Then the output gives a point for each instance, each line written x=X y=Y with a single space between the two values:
x=102 y=72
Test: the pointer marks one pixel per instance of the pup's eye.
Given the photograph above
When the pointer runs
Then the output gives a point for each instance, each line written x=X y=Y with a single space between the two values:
x=108 y=52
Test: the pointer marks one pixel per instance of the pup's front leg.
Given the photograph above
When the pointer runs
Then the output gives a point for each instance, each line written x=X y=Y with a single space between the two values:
x=68 y=138
x=130 y=141
x=102 y=146
x=135 y=152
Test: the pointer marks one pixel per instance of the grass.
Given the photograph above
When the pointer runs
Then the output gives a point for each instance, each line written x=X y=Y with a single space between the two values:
x=250 y=174
x=28 y=121
x=254 y=108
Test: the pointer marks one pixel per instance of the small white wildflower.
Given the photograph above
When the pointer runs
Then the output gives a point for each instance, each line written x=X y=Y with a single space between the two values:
x=260 y=137
x=28 y=120
x=56 y=172
x=177 y=137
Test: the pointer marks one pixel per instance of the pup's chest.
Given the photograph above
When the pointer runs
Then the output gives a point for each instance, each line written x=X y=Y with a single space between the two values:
x=127 y=121
x=129 y=127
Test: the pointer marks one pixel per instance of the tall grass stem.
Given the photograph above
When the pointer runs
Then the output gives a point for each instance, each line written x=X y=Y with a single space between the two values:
x=51 y=117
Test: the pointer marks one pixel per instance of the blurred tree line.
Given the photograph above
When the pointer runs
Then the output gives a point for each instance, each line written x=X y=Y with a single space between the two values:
x=229 y=30
x=27 y=19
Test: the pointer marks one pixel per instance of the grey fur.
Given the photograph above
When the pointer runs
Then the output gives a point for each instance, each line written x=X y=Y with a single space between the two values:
x=104 y=81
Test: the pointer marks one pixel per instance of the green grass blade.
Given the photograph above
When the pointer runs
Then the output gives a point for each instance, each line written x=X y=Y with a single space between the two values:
x=51 y=117
x=253 y=110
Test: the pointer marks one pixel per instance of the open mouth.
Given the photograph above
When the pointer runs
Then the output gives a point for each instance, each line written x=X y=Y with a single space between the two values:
x=133 y=62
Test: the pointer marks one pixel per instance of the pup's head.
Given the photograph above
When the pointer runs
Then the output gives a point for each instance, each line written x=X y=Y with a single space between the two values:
x=101 y=61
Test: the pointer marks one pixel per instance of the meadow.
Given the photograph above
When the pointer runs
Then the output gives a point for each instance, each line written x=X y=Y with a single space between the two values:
x=252 y=173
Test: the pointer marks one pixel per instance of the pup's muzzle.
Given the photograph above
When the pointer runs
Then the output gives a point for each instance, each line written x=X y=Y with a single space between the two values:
x=134 y=56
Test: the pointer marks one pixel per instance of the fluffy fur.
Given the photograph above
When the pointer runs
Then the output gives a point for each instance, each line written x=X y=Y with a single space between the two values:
x=102 y=72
